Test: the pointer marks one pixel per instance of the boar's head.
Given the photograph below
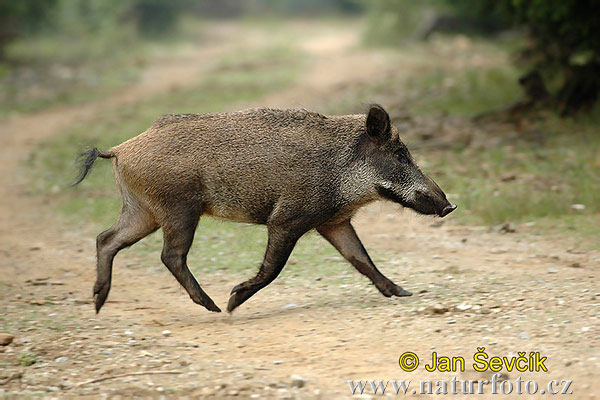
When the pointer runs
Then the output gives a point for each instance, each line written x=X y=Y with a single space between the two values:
x=397 y=176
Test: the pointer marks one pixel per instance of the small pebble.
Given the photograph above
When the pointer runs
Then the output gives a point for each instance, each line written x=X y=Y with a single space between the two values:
x=6 y=339
x=298 y=381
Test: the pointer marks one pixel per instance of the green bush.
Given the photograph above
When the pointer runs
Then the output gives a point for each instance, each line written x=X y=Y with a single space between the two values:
x=566 y=42
x=20 y=17
x=86 y=19
x=564 y=45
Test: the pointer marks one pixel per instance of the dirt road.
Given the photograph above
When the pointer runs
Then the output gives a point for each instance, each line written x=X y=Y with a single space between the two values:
x=508 y=292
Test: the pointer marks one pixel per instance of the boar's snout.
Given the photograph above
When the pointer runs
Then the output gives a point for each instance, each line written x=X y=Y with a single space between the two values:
x=432 y=199
x=432 y=203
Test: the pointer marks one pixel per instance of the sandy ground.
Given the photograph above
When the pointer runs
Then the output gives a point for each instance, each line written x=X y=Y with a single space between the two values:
x=507 y=292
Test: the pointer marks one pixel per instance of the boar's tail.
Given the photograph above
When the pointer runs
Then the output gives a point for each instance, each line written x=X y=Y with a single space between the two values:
x=85 y=161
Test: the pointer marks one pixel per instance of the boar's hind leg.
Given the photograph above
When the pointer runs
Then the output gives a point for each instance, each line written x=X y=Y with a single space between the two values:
x=178 y=236
x=280 y=245
x=344 y=239
x=133 y=224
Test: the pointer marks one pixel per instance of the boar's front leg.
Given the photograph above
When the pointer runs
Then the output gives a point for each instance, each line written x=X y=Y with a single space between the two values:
x=343 y=237
x=280 y=244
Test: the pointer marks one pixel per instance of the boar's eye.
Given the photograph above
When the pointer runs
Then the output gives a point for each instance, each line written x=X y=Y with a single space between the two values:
x=402 y=153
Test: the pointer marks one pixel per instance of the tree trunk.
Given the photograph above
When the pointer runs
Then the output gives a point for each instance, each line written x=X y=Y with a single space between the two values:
x=580 y=89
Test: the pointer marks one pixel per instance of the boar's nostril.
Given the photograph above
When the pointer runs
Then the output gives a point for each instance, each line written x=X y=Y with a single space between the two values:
x=447 y=210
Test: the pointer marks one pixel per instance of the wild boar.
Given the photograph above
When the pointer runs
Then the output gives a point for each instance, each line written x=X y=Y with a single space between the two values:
x=291 y=170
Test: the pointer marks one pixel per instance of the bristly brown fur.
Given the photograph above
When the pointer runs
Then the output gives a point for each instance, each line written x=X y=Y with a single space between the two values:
x=292 y=170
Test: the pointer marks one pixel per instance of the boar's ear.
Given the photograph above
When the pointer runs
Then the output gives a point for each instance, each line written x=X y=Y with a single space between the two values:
x=378 y=123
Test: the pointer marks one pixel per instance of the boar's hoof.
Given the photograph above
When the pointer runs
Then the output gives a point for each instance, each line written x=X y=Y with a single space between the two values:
x=207 y=303
x=233 y=303
x=392 y=289
x=101 y=290
x=212 y=307
x=240 y=294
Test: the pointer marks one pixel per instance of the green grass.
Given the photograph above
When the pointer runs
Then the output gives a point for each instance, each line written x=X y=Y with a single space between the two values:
x=27 y=358
x=536 y=176
x=525 y=180
x=468 y=92
x=75 y=86
x=53 y=69
x=39 y=86
x=78 y=66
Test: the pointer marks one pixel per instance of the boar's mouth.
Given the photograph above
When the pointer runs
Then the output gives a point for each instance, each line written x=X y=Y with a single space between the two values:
x=424 y=205
x=389 y=194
